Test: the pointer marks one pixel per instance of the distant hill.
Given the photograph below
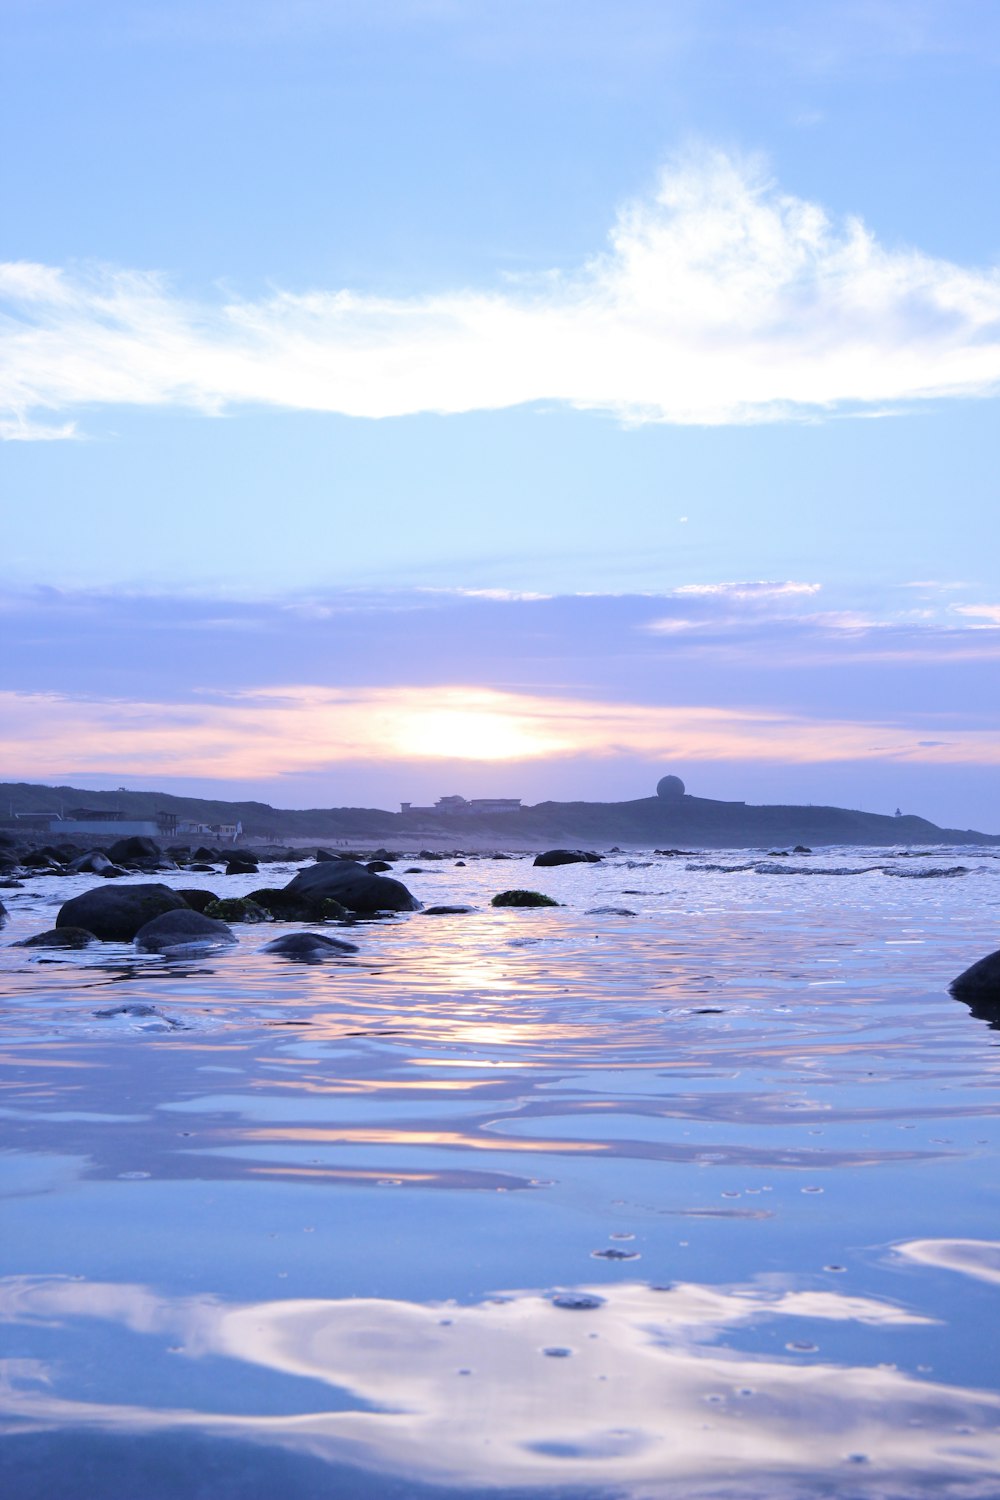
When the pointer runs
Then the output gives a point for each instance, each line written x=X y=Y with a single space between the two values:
x=682 y=822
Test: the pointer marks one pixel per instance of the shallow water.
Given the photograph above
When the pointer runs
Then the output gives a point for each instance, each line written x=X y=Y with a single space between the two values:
x=697 y=1202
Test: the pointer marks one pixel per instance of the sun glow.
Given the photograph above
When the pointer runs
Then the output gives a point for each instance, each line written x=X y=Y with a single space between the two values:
x=473 y=734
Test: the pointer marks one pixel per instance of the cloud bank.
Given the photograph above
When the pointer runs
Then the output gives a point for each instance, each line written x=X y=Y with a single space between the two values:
x=719 y=299
x=287 y=730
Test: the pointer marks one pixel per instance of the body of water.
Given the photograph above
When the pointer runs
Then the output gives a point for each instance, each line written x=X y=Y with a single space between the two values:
x=687 y=1188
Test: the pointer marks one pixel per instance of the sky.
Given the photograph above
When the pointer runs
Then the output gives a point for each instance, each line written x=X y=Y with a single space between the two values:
x=502 y=397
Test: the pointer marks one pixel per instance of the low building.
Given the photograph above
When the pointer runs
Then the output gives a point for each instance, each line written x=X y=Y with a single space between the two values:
x=466 y=806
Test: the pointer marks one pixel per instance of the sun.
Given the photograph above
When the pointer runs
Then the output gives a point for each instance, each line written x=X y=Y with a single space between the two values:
x=471 y=734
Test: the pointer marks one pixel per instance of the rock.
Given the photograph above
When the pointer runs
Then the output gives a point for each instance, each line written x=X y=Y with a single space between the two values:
x=447 y=911
x=198 y=899
x=125 y=851
x=39 y=859
x=377 y=866
x=8 y=883
x=242 y=864
x=114 y=914
x=610 y=911
x=236 y=909
x=308 y=945
x=59 y=937
x=94 y=863
x=350 y=884
x=206 y=856
x=460 y=864
x=980 y=982
x=3 y=914
x=200 y=868
x=801 y=849
x=566 y=857
x=522 y=898
x=181 y=928
x=287 y=907
x=325 y=855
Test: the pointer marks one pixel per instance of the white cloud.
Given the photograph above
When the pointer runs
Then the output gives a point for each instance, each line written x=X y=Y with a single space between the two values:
x=988 y=612
x=756 y=589
x=720 y=299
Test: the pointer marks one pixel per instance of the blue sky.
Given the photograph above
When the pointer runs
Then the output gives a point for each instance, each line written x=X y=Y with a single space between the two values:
x=334 y=332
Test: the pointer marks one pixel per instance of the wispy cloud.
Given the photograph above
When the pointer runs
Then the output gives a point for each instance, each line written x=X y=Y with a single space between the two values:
x=287 y=730
x=990 y=613
x=759 y=589
x=719 y=299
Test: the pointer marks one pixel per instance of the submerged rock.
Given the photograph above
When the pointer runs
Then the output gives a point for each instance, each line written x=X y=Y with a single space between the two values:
x=522 y=898
x=350 y=883
x=59 y=937
x=181 y=929
x=308 y=945
x=567 y=857
x=610 y=911
x=3 y=914
x=114 y=914
x=447 y=911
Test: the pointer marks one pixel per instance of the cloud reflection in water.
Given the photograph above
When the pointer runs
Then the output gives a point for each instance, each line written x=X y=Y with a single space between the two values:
x=465 y=1396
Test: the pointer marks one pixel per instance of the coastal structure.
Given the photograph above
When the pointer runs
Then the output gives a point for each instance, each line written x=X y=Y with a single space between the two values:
x=466 y=805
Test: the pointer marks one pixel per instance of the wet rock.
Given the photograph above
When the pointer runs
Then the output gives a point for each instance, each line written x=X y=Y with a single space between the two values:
x=447 y=911
x=522 y=898
x=93 y=863
x=181 y=929
x=351 y=884
x=325 y=855
x=3 y=914
x=59 y=937
x=236 y=909
x=308 y=945
x=288 y=907
x=127 y=851
x=567 y=857
x=206 y=856
x=115 y=914
x=200 y=868
x=198 y=899
x=801 y=849
x=610 y=911
x=242 y=864
x=981 y=982
x=40 y=859
x=377 y=866
x=8 y=883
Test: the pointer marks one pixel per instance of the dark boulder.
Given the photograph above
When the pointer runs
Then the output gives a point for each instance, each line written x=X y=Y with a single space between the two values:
x=447 y=911
x=286 y=906
x=94 y=863
x=567 y=857
x=198 y=899
x=801 y=849
x=59 y=937
x=207 y=856
x=308 y=945
x=522 y=898
x=3 y=914
x=127 y=851
x=237 y=909
x=325 y=855
x=610 y=911
x=115 y=913
x=182 y=928
x=980 y=982
x=200 y=868
x=242 y=864
x=351 y=885
x=377 y=866
x=41 y=859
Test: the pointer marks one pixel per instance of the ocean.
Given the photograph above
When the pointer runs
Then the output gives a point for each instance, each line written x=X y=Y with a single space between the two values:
x=688 y=1187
